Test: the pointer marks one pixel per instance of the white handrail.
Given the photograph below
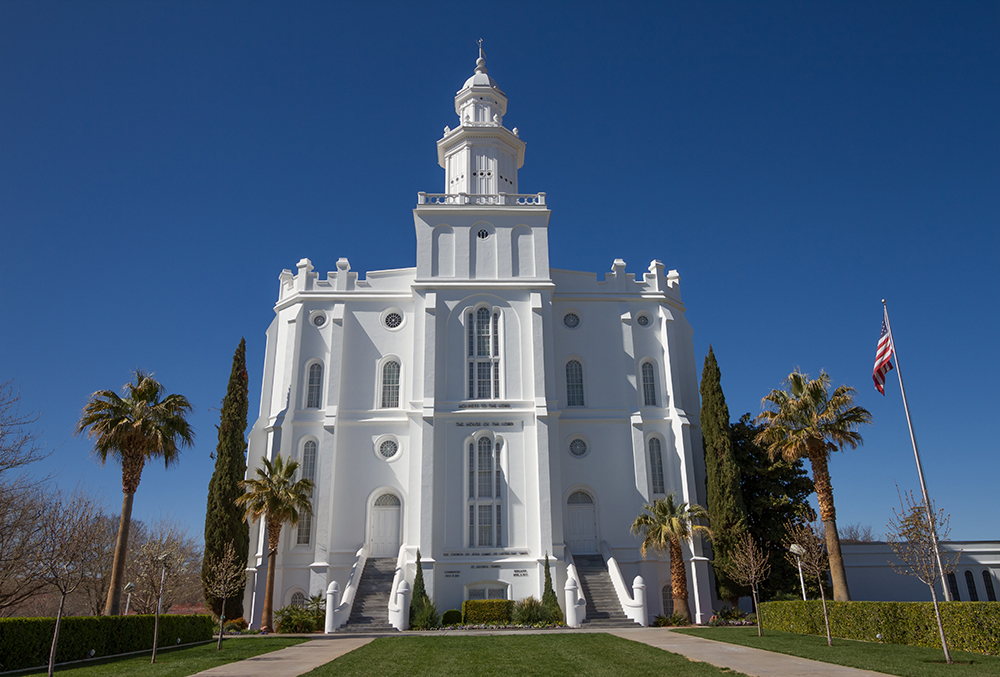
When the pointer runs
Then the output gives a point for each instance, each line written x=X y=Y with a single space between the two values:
x=343 y=610
x=634 y=605
x=576 y=603
x=399 y=612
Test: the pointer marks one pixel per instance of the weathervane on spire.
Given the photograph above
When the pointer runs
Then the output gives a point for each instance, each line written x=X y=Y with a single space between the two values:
x=481 y=61
x=482 y=55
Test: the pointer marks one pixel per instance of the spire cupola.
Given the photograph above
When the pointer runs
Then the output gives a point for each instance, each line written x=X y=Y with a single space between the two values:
x=480 y=156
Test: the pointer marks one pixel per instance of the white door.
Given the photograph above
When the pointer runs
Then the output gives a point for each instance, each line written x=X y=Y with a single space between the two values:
x=384 y=533
x=581 y=528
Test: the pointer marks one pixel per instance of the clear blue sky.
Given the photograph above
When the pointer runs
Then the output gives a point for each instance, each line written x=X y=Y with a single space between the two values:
x=796 y=162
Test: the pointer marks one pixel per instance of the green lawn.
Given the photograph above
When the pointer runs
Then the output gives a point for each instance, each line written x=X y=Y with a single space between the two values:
x=893 y=659
x=552 y=655
x=177 y=662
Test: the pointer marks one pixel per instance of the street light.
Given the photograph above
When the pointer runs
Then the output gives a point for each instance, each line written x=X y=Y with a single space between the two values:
x=129 y=587
x=798 y=551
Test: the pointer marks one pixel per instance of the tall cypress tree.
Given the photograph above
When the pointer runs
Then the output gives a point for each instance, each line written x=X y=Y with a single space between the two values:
x=725 y=499
x=224 y=519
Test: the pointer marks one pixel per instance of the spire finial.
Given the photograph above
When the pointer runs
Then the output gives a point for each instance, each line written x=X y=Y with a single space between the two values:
x=481 y=61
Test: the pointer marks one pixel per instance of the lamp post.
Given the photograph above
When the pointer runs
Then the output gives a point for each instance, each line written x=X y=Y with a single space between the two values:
x=798 y=551
x=129 y=587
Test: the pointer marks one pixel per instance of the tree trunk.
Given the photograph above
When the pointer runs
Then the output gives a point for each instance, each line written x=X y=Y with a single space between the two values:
x=756 y=608
x=273 y=538
x=826 y=615
x=827 y=513
x=55 y=635
x=678 y=581
x=113 y=605
x=937 y=615
x=222 y=623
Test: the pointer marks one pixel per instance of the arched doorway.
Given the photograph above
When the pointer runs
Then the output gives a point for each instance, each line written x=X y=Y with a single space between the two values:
x=383 y=534
x=581 y=523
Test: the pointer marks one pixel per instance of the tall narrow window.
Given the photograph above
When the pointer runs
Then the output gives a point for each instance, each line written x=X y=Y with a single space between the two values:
x=656 y=465
x=390 y=385
x=953 y=584
x=483 y=332
x=574 y=384
x=313 y=393
x=648 y=384
x=308 y=469
x=485 y=491
x=991 y=593
x=970 y=582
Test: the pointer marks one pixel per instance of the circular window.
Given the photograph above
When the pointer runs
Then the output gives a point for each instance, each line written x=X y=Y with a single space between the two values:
x=319 y=319
x=643 y=320
x=483 y=234
x=578 y=447
x=571 y=320
x=393 y=320
x=388 y=449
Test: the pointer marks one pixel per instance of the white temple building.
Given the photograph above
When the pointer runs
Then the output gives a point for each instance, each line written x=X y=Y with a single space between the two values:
x=480 y=407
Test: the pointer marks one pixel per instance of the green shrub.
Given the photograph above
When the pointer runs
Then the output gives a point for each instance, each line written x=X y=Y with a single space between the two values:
x=529 y=611
x=968 y=626
x=25 y=642
x=294 y=619
x=426 y=616
x=235 y=625
x=487 y=611
x=550 y=600
x=451 y=617
x=676 y=620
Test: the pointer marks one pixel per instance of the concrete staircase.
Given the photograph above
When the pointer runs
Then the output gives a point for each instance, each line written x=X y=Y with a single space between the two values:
x=603 y=608
x=370 y=612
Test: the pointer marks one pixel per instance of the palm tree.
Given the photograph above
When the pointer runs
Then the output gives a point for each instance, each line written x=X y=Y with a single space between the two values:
x=807 y=421
x=663 y=524
x=278 y=498
x=139 y=425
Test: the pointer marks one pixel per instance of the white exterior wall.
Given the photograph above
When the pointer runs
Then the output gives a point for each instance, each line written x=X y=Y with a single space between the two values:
x=507 y=272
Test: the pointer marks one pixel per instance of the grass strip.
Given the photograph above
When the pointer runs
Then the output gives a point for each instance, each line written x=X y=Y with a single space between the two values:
x=561 y=655
x=892 y=659
x=176 y=662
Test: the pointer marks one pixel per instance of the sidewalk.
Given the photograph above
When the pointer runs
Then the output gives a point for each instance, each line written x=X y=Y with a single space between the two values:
x=301 y=658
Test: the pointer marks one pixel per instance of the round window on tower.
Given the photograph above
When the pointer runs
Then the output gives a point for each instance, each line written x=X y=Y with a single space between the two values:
x=643 y=320
x=387 y=447
x=483 y=234
x=578 y=447
x=571 y=320
x=393 y=318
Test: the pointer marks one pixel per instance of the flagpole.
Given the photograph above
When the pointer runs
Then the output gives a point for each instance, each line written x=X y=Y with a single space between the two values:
x=916 y=455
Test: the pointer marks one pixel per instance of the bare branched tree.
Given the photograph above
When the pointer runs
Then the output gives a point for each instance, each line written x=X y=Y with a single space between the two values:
x=858 y=533
x=227 y=577
x=748 y=565
x=182 y=584
x=911 y=539
x=19 y=445
x=94 y=589
x=814 y=558
x=68 y=551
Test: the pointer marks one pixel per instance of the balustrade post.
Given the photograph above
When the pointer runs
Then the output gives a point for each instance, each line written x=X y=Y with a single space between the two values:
x=572 y=612
x=639 y=596
x=332 y=602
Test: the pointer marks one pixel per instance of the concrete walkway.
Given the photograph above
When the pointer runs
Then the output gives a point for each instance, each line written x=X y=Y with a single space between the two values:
x=301 y=658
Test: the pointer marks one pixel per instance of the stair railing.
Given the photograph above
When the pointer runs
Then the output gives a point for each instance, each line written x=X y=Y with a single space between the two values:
x=634 y=605
x=576 y=603
x=399 y=595
x=343 y=610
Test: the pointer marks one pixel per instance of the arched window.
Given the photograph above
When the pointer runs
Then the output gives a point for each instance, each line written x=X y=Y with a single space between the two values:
x=308 y=469
x=485 y=492
x=648 y=384
x=970 y=582
x=668 y=600
x=991 y=594
x=299 y=600
x=484 y=354
x=656 y=465
x=390 y=385
x=314 y=392
x=953 y=584
x=574 y=384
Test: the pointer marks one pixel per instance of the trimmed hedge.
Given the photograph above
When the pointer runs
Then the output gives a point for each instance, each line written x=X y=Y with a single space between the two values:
x=26 y=642
x=451 y=617
x=968 y=626
x=487 y=611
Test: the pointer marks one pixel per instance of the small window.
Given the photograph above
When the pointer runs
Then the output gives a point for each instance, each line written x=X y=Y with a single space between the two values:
x=313 y=395
x=643 y=320
x=574 y=384
x=388 y=449
x=648 y=384
x=578 y=447
x=483 y=233
x=991 y=594
x=970 y=582
x=299 y=600
x=571 y=320
x=393 y=320
x=656 y=465
x=390 y=385
x=319 y=319
x=387 y=500
x=668 y=600
x=580 y=498
x=953 y=584
x=308 y=471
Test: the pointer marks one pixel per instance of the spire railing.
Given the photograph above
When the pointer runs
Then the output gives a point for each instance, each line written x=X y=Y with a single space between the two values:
x=499 y=199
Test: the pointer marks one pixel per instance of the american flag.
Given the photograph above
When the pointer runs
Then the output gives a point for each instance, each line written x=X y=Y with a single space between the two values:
x=883 y=357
